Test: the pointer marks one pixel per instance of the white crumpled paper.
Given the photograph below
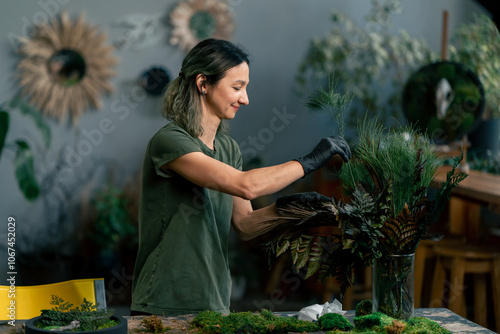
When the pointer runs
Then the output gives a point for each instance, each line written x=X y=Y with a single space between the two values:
x=313 y=312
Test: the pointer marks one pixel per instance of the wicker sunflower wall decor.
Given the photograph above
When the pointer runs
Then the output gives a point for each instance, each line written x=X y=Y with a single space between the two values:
x=66 y=66
x=196 y=20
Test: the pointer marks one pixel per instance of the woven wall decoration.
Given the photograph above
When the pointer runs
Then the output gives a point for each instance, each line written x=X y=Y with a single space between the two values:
x=196 y=20
x=66 y=66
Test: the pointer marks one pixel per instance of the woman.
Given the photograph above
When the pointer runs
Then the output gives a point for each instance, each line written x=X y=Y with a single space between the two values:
x=193 y=187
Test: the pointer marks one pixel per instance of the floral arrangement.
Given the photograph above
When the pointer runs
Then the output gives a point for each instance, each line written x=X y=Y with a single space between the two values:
x=388 y=212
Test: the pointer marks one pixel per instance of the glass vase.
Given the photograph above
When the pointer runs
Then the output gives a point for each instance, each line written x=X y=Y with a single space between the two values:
x=393 y=285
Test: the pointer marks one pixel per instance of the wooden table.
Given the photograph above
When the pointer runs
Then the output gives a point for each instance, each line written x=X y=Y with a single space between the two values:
x=451 y=321
x=181 y=324
x=477 y=190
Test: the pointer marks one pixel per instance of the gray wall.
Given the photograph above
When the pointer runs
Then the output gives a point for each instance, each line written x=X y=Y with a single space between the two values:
x=276 y=34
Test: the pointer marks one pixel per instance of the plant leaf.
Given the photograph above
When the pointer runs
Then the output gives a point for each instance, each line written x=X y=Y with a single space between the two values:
x=36 y=116
x=25 y=171
x=4 y=128
x=283 y=247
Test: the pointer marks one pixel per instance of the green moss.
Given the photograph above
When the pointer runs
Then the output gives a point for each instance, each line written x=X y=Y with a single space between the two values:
x=209 y=321
x=423 y=325
x=332 y=321
x=364 y=307
x=266 y=322
x=154 y=324
x=247 y=322
x=397 y=327
x=370 y=320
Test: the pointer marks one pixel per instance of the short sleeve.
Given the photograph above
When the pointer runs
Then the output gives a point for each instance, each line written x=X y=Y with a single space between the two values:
x=168 y=144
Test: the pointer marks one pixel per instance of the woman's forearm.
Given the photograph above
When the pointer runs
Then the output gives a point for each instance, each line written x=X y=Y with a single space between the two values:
x=256 y=223
x=268 y=180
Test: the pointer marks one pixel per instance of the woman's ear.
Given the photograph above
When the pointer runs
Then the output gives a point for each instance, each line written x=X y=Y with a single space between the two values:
x=201 y=83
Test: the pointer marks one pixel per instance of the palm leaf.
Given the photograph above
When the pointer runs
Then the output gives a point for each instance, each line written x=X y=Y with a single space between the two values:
x=25 y=171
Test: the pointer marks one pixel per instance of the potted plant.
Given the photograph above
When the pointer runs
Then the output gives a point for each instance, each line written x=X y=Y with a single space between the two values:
x=477 y=46
x=388 y=213
x=86 y=318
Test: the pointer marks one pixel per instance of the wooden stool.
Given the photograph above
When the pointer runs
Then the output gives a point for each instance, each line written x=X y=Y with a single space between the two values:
x=463 y=260
x=424 y=252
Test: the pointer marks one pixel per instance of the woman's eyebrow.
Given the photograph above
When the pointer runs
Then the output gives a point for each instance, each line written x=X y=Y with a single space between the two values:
x=240 y=81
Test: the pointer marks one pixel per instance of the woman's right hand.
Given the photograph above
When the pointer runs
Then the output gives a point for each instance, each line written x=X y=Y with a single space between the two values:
x=324 y=151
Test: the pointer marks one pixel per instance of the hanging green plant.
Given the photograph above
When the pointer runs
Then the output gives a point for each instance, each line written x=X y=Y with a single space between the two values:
x=24 y=163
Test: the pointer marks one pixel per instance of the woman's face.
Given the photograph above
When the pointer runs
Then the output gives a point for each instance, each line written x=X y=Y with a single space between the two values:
x=225 y=98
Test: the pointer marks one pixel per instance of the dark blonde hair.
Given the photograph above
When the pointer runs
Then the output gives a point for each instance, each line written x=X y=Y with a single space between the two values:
x=182 y=102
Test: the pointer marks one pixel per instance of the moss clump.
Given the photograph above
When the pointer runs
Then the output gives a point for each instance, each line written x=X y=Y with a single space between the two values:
x=331 y=321
x=209 y=321
x=364 y=307
x=370 y=320
x=421 y=325
x=154 y=324
x=397 y=327
x=247 y=322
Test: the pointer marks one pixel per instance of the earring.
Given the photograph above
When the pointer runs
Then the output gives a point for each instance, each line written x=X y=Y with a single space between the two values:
x=203 y=93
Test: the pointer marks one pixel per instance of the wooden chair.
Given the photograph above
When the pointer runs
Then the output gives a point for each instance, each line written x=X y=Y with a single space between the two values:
x=425 y=252
x=30 y=300
x=458 y=261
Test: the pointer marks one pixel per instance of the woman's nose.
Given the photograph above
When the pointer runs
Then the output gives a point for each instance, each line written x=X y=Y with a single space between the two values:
x=244 y=99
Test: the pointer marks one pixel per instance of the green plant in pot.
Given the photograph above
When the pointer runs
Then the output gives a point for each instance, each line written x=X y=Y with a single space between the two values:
x=86 y=318
x=388 y=213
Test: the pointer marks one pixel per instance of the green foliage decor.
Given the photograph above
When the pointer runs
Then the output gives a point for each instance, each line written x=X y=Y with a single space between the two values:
x=62 y=314
x=373 y=61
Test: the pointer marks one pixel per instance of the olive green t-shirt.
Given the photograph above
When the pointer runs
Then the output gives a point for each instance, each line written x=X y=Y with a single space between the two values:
x=182 y=263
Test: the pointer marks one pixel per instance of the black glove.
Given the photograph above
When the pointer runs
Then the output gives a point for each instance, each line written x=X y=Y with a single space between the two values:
x=324 y=151
x=307 y=208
